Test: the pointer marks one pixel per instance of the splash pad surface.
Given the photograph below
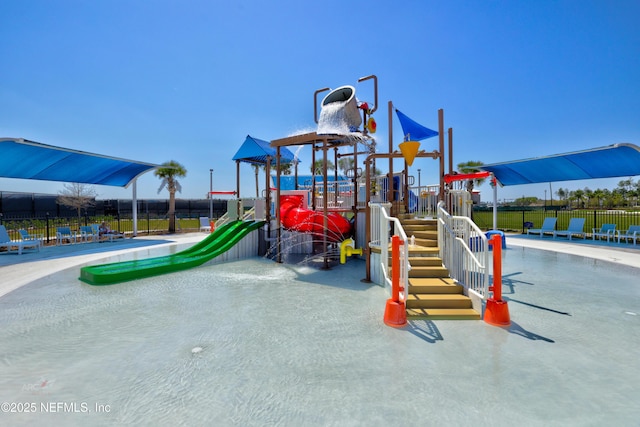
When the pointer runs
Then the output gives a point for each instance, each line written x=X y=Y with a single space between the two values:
x=296 y=345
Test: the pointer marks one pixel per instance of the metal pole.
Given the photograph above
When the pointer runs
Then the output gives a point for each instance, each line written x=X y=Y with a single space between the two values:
x=134 y=206
x=495 y=202
x=441 y=149
x=390 y=179
x=210 y=194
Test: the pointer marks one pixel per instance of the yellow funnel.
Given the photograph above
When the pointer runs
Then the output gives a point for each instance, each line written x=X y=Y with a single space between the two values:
x=409 y=150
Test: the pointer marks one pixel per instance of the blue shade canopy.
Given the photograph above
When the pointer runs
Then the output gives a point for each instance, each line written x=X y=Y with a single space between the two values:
x=412 y=130
x=618 y=160
x=24 y=159
x=254 y=150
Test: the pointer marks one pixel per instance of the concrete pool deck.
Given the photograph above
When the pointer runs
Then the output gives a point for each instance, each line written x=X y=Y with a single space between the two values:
x=618 y=253
x=19 y=270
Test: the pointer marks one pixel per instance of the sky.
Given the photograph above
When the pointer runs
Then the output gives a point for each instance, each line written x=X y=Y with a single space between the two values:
x=187 y=80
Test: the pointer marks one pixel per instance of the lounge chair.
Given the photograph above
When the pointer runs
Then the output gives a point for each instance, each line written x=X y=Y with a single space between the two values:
x=205 y=225
x=548 y=226
x=65 y=233
x=632 y=233
x=87 y=233
x=27 y=237
x=109 y=235
x=6 y=242
x=607 y=230
x=576 y=228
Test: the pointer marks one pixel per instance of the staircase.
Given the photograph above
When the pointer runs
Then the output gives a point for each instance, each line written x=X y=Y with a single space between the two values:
x=432 y=293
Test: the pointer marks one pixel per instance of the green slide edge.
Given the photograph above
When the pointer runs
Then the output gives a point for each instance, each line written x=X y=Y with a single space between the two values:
x=216 y=243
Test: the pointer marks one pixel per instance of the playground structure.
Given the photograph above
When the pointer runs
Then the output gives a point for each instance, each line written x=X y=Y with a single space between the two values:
x=332 y=218
x=315 y=217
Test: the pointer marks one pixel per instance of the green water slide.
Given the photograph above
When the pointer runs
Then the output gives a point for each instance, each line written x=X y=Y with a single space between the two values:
x=216 y=243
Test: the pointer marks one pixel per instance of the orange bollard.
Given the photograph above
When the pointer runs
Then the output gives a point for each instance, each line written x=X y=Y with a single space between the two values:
x=497 y=311
x=395 y=313
x=212 y=226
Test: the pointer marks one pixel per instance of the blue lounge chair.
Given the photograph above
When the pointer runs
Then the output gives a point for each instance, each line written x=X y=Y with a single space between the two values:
x=632 y=233
x=548 y=226
x=576 y=228
x=65 y=233
x=87 y=233
x=27 y=237
x=205 y=225
x=607 y=230
x=6 y=242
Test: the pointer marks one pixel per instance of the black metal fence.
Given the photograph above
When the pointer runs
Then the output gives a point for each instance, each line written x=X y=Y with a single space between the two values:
x=41 y=215
x=31 y=205
x=519 y=219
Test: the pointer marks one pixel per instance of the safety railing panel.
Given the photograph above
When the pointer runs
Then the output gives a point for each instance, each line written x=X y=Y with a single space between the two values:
x=464 y=251
x=423 y=200
x=383 y=227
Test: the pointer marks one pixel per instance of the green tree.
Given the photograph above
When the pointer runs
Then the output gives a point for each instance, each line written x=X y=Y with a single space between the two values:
x=588 y=193
x=345 y=164
x=168 y=172
x=316 y=167
x=578 y=196
x=471 y=166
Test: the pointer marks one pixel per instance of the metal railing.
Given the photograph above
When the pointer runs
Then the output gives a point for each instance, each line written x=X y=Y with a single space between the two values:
x=423 y=200
x=232 y=213
x=383 y=227
x=464 y=251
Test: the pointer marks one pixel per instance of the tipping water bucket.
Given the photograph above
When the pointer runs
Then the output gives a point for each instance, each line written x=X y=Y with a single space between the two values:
x=339 y=112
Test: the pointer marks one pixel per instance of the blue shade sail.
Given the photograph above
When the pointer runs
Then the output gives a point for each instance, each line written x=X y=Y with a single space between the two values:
x=254 y=150
x=618 y=160
x=412 y=130
x=24 y=159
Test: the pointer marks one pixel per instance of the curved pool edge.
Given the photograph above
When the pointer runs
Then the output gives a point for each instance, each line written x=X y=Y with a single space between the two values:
x=47 y=262
x=612 y=252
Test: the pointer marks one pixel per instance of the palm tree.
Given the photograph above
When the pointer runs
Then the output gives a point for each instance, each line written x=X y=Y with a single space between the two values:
x=345 y=164
x=256 y=169
x=169 y=171
x=599 y=194
x=578 y=195
x=316 y=167
x=471 y=167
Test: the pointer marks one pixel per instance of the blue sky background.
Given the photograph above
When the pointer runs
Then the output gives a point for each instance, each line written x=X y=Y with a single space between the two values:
x=188 y=80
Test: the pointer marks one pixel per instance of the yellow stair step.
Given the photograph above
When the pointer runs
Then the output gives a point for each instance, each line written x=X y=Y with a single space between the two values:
x=442 y=314
x=438 y=301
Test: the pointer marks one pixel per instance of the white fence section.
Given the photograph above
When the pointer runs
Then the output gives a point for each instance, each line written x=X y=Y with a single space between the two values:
x=423 y=201
x=459 y=203
x=382 y=228
x=252 y=209
x=464 y=251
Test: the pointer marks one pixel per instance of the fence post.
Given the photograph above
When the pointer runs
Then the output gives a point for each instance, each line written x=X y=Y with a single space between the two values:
x=47 y=226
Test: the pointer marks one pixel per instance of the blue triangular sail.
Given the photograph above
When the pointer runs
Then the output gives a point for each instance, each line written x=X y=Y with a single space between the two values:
x=413 y=130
